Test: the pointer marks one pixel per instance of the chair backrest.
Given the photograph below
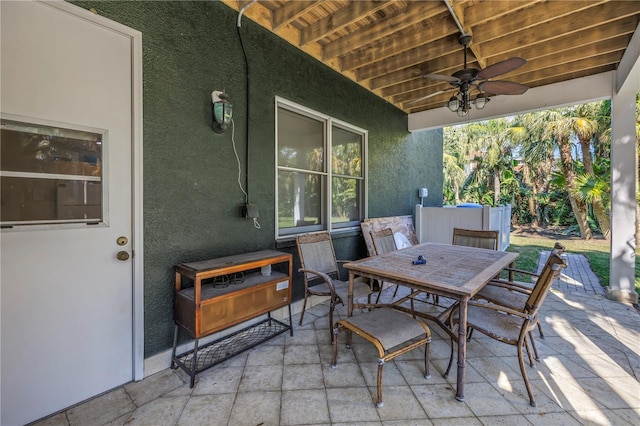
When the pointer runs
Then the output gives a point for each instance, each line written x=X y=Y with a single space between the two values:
x=540 y=290
x=383 y=241
x=317 y=253
x=558 y=249
x=475 y=238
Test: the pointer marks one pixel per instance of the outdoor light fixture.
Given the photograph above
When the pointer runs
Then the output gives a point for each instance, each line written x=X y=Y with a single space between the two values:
x=461 y=103
x=222 y=111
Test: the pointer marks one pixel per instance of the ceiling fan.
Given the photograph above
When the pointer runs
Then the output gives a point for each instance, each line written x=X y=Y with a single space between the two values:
x=468 y=78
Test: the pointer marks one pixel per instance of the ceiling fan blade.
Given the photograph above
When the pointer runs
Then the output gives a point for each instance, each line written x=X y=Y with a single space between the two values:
x=442 y=77
x=422 y=98
x=503 y=87
x=500 y=68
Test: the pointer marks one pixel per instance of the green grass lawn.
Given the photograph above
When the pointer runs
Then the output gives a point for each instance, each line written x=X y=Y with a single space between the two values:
x=596 y=251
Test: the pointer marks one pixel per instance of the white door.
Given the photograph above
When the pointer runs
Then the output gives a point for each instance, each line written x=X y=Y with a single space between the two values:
x=66 y=300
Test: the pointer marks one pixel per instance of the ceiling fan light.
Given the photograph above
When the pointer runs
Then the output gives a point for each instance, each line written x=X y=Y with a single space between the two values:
x=480 y=101
x=453 y=104
x=462 y=112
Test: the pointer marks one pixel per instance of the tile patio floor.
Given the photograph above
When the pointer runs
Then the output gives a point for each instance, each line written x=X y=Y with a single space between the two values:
x=589 y=374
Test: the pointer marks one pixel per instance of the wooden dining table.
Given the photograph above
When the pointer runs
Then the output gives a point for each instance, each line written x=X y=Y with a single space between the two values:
x=452 y=271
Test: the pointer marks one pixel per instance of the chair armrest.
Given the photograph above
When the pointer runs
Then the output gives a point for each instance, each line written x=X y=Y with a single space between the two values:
x=498 y=308
x=451 y=311
x=344 y=261
x=322 y=275
x=521 y=271
x=523 y=288
x=510 y=285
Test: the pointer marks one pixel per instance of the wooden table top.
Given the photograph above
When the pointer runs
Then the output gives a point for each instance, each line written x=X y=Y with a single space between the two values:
x=231 y=261
x=449 y=269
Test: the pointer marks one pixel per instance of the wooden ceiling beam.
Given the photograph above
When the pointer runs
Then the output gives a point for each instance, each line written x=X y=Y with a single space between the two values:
x=572 y=41
x=571 y=67
x=573 y=75
x=395 y=77
x=410 y=15
x=436 y=30
x=412 y=57
x=582 y=21
x=490 y=11
x=289 y=12
x=343 y=17
x=536 y=16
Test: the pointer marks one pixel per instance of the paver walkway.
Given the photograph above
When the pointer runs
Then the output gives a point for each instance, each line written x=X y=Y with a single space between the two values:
x=588 y=374
x=576 y=277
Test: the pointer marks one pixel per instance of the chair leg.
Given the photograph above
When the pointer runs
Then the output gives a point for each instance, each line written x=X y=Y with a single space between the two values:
x=540 y=330
x=379 y=292
x=304 y=306
x=396 y=291
x=380 y=402
x=523 y=370
x=469 y=333
x=334 y=342
x=446 y=373
x=533 y=346
x=413 y=309
x=427 y=373
x=332 y=306
x=526 y=346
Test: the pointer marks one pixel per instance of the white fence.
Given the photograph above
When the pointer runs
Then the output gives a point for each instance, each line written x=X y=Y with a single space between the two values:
x=435 y=224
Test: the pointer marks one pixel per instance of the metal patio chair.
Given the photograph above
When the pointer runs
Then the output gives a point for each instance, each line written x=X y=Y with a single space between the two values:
x=321 y=273
x=383 y=242
x=392 y=332
x=513 y=294
x=511 y=326
x=475 y=238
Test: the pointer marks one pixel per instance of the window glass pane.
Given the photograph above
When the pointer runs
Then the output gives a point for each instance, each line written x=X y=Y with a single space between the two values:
x=26 y=200
x=299 y=199
x=49 y=174
x=346 y=152
x=300 y=141
x=44 y=149
x=345 y=196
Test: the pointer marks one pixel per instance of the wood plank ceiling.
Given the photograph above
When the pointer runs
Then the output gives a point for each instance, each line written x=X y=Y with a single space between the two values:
x=387 y=46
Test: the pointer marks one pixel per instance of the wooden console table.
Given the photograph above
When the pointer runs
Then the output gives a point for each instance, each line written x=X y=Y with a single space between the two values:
x=213 y=295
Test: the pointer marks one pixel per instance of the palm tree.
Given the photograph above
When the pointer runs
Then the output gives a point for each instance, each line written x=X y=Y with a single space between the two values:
x=559 y=127
x=537 y=159
x=492 y=156
x=457 y=147
x=587 y=125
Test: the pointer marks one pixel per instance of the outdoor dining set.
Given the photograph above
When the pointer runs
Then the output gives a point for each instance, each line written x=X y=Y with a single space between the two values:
x=464 y=286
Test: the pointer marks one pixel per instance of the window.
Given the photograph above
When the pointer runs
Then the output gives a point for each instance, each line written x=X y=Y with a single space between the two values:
x=49 y=174
x=321 y=175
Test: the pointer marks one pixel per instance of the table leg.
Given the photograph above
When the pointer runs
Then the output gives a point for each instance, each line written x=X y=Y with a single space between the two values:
x=350 y=306
x=462 y=347
x=350 y=297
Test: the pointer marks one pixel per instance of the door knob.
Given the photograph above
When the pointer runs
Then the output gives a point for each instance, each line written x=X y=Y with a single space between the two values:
x=122 y=256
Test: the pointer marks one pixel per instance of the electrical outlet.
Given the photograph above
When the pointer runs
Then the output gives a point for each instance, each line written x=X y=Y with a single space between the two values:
x=250 y=210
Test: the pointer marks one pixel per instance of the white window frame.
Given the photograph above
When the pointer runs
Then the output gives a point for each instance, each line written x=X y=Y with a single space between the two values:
x=327 y=174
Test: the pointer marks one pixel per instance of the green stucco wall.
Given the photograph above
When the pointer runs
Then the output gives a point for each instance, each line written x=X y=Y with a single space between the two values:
x=191 y=198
